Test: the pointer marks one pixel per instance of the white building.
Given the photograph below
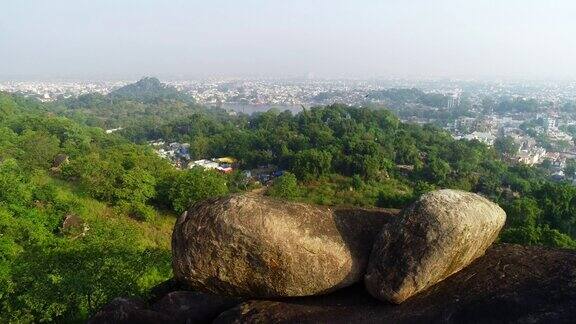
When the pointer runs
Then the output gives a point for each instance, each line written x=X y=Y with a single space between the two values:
x=531 y=157
x=484 y=137
x=206 y=164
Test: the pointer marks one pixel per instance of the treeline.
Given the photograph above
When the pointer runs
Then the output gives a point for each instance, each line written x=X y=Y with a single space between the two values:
x=346 y=155
x=401 y=97
x=362 y=156
x=146 y=103
x=123 y=197
x=518 y=105
x=414 y=103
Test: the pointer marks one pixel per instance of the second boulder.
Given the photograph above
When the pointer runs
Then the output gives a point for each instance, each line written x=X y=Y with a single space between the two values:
x=437 y=236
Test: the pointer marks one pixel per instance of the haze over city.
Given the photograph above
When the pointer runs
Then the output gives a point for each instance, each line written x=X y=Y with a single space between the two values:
x=325 y=39
x=300 y=161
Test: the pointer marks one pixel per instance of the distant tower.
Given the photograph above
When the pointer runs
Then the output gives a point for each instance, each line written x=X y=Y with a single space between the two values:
x=550 y=123
x=453 y=100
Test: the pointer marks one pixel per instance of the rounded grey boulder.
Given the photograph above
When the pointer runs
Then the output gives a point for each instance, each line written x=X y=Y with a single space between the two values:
x=437 y=236
x=250 y=245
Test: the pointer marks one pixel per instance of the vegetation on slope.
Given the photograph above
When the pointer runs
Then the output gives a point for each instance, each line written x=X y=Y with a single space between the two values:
x=366 y=157
x=126 y=197
x=72 y=236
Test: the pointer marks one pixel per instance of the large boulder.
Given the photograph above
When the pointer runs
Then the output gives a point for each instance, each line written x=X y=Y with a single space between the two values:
x=509 y=284
x=437 y=236
x=250 y=245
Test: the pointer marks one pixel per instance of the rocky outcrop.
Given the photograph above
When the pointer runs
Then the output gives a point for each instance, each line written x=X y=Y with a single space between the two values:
x=164 y=288
x=193 y=307
x=74 y=226
x=124 y=310
x=60 y=160
x=249 y=245
x=510 y=283
x=263 y=248
x=437 y=236
x=172 y=308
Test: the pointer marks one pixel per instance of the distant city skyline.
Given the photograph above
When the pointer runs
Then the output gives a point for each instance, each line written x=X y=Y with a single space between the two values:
x=129 y=39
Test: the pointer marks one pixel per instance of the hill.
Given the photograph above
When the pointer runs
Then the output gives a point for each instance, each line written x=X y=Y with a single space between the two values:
x=146 y=104
x=148 y=89
x=73 y=233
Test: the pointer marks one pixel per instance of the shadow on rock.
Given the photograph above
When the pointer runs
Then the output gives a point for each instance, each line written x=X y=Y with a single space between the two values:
x=510 y=283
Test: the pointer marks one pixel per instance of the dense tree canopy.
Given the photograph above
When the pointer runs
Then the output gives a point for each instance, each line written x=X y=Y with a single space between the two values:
x=49 y=272
x=365 y=156
x=127 y=197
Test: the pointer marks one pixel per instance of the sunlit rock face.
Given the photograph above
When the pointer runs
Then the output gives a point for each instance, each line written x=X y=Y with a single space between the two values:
x=250 y=245
x=437 y=236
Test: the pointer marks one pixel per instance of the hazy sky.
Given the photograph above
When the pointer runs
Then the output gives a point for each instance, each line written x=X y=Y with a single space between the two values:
x=360 y=38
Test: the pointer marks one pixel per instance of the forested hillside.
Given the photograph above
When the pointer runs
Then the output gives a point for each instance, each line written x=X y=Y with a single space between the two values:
x=146 y=103
x=86 y=216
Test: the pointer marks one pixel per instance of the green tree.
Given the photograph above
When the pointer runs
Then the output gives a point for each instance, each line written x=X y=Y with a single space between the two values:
x=554 y=238
x=238 y=181
x=521 y=235
x=423 y=187
x=523 y=212
x=7 y=106
x=98 y=177
x=436 y=170
x=505 y=146
x=285 y=186
x=311 y=164
x=38 y=149
x=357 y=182
x=15 y=189
x=136 y=188
x=570 y=169
x=194 y=185
x=136 y=185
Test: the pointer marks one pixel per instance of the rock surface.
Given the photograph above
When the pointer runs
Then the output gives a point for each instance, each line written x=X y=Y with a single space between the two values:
x=250 y=245
x=510 y=283
x=437 y=236
x=174 y=307
x=193 y=307
x=123 y=310
x=164 y=288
